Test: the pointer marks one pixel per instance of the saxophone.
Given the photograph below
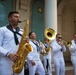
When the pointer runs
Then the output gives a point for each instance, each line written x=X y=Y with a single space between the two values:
x=23 y=50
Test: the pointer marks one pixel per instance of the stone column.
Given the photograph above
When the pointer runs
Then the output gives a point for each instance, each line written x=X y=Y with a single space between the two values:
x=50 y=14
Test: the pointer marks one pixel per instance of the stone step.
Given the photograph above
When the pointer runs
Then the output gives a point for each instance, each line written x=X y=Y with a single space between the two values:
x=66 y=68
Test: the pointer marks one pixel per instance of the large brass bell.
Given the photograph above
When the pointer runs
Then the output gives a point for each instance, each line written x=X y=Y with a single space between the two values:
x=49 y=33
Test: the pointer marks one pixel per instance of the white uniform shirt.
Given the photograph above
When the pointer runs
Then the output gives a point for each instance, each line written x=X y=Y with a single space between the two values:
x=48 y=56
x=35 y=54
x=72 y=48
x=57 y=49
x=7 y=42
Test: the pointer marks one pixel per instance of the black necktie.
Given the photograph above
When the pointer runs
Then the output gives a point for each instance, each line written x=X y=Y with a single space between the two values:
x=45 y=45
x=16 y=38
x=59 y=44
x=47 y=64
x=75 y=42
x=38 y=48
x=14 y=32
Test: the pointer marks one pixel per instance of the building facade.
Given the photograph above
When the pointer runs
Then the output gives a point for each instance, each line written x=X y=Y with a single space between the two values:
x=56 y=14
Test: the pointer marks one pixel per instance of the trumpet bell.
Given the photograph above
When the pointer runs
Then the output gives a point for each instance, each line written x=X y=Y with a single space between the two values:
x=69 y=43
x=49 y=33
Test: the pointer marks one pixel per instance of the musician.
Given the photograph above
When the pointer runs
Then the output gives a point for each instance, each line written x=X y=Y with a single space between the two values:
x=47 y=57
x=33 y=58
x=72 y=49
x=10 y=36
x=58 y=48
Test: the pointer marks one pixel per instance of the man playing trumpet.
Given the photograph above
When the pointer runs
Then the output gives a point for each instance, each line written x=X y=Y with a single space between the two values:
x=58 y=48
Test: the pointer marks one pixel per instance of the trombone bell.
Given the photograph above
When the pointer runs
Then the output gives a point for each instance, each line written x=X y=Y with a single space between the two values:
x=49 y=33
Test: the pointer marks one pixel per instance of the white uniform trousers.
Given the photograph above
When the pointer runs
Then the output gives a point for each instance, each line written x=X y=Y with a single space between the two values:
x=22 y=73
x=73 y=60
x=47 y=66
x=38 y=67
x=6 y=67
x=59 y=66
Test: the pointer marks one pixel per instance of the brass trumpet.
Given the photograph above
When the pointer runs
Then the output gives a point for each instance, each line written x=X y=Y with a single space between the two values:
x=68 y=44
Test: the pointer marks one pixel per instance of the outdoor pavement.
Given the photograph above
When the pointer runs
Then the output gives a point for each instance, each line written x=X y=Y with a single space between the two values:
x=69 y=69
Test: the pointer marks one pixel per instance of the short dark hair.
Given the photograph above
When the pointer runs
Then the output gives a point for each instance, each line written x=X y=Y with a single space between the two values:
x=74 y=34
x=30 y=33
x=12 y=12
x=57 y=34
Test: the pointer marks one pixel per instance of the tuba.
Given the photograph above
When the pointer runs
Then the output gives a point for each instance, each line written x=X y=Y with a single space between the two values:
x=23 y=50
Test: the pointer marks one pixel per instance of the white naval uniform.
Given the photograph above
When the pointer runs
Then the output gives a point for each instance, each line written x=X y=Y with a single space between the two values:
x=47 y=64
x=7 y=44
x=72 y=49
x=58 y=58
x=35 y=56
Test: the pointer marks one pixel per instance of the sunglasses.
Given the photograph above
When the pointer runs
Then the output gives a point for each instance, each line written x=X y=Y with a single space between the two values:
x=59 y=37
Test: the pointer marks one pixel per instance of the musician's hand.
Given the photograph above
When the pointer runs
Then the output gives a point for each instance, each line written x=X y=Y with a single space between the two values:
x=26 y=39
x=43 y=51
x=32 y=62
x=61 y=43
x=13 y=57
